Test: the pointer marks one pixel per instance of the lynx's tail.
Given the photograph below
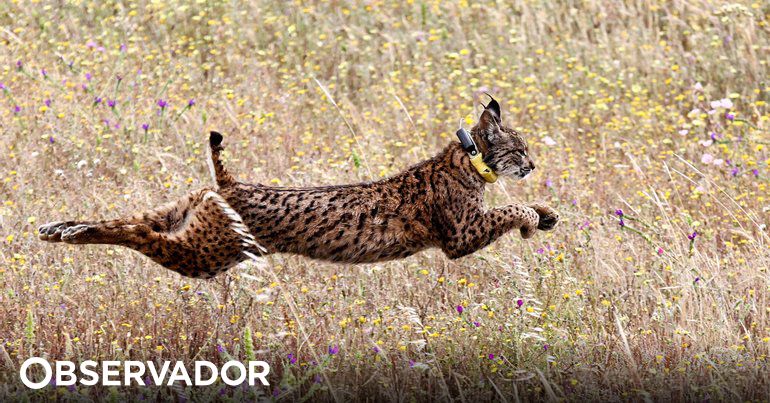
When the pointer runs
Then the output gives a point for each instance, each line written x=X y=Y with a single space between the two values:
x=218 y=171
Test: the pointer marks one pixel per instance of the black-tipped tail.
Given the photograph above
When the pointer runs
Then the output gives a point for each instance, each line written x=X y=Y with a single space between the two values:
x=215 y=139
x=218 y=171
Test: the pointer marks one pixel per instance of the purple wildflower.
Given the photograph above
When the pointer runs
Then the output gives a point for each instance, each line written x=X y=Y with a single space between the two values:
x=3 y=87
x=412 y=363
x=622 y=223
x=16 y=109
x=734 y=171
x=145 y=126
x=119 y=77
x=122 y=47
x=460 y=309
x=519 y=303
x=19 y=64
x=334 y=349
x=50 y=140
x=660 y=251
x=376 y=350
x=491 y=356
x=163 y=104
x=545 y=347
x=693 y=235
x=190 y=103
x=292 y=359
x=476 y=324
x=755 y=172
x=548 y=183
x=220 y=348
x=44 y=73
x=697 y=279
x=47 y=103
x=619 y=213
x=88 y=76
x=111 y=103
x=97 y=100
x=730 y=116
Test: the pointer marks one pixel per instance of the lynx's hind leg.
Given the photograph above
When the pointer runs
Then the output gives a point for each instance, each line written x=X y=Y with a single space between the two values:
x=118 y=232
x=198 y=236
x=123 y=231
x=52 y=231
x=212 y=240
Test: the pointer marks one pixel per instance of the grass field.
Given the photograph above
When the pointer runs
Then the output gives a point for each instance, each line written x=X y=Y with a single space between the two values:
x=648 y=121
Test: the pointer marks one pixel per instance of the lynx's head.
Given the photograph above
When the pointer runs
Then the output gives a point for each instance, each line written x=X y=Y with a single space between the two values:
x=505 y=150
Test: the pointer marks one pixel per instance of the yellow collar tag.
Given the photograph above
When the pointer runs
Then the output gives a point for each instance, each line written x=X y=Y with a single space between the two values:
x=477 y=160
x=484 y=170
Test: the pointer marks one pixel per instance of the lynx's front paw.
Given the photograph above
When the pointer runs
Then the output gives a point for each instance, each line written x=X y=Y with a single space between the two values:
x=548 y=217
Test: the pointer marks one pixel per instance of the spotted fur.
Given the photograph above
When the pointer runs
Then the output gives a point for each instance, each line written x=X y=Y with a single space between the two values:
x=436 y=203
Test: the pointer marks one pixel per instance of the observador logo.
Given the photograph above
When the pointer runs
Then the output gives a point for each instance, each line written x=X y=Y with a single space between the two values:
x=139 y=373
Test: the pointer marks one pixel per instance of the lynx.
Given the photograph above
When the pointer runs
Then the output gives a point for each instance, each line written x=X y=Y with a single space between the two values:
x=436 y=203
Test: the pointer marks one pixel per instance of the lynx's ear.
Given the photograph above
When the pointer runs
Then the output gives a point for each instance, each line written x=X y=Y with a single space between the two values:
x=489 y=126
x=495 y=108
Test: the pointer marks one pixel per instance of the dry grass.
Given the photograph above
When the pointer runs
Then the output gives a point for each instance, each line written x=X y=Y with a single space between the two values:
x=615 y=98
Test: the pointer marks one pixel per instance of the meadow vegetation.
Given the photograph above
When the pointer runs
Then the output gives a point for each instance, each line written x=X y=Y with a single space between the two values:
x=648 y=121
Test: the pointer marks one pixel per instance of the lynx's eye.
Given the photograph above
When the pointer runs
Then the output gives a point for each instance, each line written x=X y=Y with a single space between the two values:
x=522 y=153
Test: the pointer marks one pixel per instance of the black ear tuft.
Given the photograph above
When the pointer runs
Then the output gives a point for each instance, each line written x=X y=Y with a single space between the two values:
x=215 y=139
x=494 y=107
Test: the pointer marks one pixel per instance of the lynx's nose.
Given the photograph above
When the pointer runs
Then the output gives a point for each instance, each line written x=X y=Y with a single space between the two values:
x=527 y=169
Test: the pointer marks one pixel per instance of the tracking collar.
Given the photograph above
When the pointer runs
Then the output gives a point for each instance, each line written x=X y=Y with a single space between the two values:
x=477 y=159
